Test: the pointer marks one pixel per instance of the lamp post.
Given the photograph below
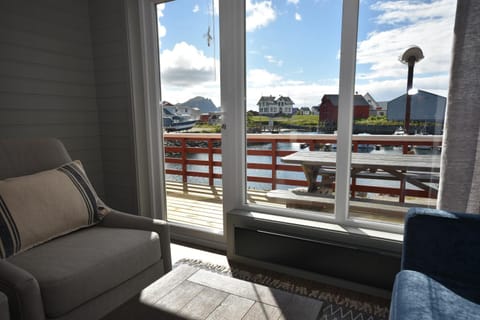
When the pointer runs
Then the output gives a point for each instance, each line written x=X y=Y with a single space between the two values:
x=412 y=55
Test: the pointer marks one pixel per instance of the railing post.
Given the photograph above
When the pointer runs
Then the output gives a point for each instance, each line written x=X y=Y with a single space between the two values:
x=274 y=164
x=355 y=146
x=210 y=162
x=353 y=185
x=184 y=160
x=403 y=184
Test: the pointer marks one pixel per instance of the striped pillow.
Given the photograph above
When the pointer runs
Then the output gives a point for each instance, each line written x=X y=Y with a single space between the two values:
x=45 y=205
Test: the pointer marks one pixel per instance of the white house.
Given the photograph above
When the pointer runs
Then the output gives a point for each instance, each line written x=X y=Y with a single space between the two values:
x=305 y=111
x=193 y=112
x=269 y=105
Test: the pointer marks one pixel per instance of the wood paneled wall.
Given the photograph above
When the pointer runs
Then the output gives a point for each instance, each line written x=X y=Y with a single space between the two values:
x=110 y=53
x=64 y=73
x=47 y=84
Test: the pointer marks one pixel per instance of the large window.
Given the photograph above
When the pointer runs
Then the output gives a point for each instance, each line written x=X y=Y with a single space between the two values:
x=329 y=131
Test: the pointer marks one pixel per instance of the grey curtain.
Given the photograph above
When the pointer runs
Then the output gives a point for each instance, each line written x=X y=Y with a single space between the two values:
x=460 y=167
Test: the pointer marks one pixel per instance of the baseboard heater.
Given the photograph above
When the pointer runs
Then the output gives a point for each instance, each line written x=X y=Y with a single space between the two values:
x=346 y=262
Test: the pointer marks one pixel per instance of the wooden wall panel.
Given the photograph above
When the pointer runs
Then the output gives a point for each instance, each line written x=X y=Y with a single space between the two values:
x=47 y=80
x=64 y=73
x=110 y=52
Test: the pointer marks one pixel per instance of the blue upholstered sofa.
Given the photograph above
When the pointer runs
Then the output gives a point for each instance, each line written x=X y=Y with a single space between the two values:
x=440 y=276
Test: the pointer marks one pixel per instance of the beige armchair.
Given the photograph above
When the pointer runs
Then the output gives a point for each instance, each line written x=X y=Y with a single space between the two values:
x=86 y=273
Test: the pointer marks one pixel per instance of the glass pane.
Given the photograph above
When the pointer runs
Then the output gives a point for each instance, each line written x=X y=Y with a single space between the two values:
x=190 y=87
x=292 y=64
x=403 y=62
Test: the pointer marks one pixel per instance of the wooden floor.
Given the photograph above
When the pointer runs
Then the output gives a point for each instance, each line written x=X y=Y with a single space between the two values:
x=201 y=205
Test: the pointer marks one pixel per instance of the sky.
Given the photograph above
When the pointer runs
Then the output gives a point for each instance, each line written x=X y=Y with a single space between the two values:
x=293 y=48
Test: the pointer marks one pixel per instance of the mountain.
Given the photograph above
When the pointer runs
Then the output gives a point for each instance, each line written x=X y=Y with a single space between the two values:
x=204 y=104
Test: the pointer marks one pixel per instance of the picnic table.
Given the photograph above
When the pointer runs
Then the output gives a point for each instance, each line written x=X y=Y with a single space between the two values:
x=418 y=170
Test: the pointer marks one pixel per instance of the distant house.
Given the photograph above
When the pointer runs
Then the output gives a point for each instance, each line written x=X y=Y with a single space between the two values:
x=304 y=111
x=376 y=108
x=382 y=108
x=425 y=106
x=193 y=112
x=269 y=105
x=328 y=109
x=204 y=117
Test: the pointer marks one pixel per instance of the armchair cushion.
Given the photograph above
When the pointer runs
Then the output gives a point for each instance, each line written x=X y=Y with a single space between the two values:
x=418 y=296
x=38 y=207
x=445 y=246
x=440 y=277
x=74 y=269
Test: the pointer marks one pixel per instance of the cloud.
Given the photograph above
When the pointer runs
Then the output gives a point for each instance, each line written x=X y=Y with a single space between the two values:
x=261 y=78
x=259 y=14
x=385 y=90
x=293 y=1
x=401 y=24
x=394 y=12
x=298 y=17
x=186 y=72
x=186 y=66
x=162 y=31
x=196 y=8
x=273 y=60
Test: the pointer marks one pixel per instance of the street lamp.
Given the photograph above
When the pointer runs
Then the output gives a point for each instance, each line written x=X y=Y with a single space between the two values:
x=410 y=56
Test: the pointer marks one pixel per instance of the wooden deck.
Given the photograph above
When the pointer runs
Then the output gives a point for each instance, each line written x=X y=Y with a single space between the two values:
x=201 y=205
x=192 y=204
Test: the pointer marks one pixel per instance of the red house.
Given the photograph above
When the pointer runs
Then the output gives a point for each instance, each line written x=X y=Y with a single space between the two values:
x=328 y=109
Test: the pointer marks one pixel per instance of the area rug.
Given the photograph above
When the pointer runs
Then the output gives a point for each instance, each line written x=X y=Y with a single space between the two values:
x=338 y=303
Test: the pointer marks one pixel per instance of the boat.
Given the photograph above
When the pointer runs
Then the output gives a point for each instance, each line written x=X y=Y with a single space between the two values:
x=423 y=149
x=399 y=132
x=177 y=122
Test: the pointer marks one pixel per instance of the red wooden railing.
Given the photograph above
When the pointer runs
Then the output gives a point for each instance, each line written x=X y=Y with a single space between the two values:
x=179 y=145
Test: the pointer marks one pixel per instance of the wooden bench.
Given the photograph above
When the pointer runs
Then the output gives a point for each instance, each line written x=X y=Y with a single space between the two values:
x=300 y=199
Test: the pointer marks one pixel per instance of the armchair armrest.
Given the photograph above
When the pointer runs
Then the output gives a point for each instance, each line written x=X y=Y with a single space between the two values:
x=23 y=292
x=117 y=219
x=443 y=245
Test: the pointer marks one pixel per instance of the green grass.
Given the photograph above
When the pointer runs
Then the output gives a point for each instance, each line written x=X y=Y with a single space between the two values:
x=296 y=120
x=206 y=128
x=378 y=121
x=302 y=120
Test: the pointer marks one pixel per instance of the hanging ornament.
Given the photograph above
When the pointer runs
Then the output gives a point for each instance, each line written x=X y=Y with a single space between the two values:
x=208 y=36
